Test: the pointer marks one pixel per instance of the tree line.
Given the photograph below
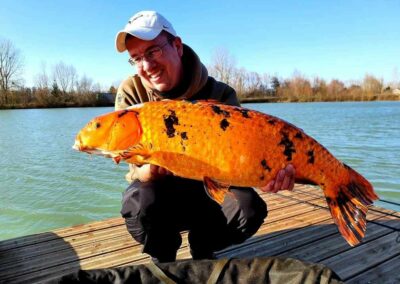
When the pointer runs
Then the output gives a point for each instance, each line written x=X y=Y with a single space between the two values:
x=61 y=86
x=252 y=86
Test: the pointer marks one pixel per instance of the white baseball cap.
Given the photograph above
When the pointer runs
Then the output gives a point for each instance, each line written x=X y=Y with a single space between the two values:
x=146 y=25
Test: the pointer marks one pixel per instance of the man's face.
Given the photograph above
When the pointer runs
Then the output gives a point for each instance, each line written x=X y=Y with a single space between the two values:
x=163 y=73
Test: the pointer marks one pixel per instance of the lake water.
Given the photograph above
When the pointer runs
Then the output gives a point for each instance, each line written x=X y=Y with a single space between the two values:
x=44 y=184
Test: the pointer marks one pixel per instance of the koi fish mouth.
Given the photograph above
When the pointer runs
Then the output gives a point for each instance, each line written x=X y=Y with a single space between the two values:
x=77 y=146
x=93 y=151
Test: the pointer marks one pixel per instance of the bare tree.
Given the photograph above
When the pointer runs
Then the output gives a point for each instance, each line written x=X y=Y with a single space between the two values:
x=96 y=88
x=239 y=82
x=372 y=86
x=42 y=80
x=320 y=88
x=11 y=67
x=335 y=88
x=223 y=66
x=253 y=82
x=65 y=76
x=396 y=79
x=300 y=87
x=265 y=81
x=84 y=85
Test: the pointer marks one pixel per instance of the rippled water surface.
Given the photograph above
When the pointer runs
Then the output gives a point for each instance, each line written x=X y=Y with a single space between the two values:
x=44 y=184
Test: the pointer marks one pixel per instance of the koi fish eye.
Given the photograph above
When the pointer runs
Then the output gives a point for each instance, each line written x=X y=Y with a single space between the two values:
x=114 y=131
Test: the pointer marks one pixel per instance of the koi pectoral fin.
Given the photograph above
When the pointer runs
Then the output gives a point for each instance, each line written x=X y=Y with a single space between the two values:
x=137 y=155
x=216 y=190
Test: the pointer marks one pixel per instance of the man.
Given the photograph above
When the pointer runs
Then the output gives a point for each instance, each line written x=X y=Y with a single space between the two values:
x=157 y=206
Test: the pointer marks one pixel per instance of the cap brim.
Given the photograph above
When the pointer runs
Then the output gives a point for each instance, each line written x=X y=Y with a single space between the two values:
x=142 y=33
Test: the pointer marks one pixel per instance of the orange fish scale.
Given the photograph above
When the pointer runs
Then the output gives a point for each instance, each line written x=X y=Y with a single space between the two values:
x=243 y=142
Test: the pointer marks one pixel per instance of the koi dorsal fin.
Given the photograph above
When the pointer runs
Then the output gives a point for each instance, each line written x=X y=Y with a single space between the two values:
x=216 y=190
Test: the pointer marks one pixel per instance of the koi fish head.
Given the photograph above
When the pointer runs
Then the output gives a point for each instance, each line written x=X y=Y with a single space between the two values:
x=110 y=134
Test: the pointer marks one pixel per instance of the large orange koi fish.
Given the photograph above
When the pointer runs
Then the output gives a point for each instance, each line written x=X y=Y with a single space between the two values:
x=227 y=145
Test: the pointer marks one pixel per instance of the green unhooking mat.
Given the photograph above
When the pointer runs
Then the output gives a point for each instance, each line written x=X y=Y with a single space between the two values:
x=252 y=270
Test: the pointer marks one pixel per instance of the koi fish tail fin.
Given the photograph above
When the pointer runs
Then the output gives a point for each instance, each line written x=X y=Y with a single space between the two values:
x=348 y=203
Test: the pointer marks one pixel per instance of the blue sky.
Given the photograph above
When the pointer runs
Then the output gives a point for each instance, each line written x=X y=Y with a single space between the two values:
x=329 y=39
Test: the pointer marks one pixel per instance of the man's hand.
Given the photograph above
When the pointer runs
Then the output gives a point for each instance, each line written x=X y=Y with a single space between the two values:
x=284 y=180
x=149 y=172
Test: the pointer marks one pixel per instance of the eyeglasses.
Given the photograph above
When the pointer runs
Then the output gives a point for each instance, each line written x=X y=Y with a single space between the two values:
x=151 y=54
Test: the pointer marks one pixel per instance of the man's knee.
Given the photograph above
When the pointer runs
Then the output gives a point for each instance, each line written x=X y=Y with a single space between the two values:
x=255 y=212
x=144 y=209
x=249 y=214
x=141 y=201
x=130 y=212
x=251 y=205
x=135 y=228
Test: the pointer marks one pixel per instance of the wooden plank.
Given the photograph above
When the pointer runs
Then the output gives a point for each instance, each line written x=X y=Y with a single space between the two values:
x=367 y=256
x=315 y=191
x=287 y=236
x=106 y=260
x=64 y=256
x=273 y=245
x=297 y=221
x=386 y=272
x=333 y=244
x=27 y=253
x=88 y=257
x=281 y=202
x=116 y=252
x=57 y=244
x=65 y=232
x=277 y=234
x=69 y=258
x=290 y=213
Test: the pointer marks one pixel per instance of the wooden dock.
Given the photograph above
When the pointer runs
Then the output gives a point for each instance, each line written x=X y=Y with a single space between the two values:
x=298 y=225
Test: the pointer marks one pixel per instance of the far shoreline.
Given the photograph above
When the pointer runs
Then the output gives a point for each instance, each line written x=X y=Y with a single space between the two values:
x=242 y=101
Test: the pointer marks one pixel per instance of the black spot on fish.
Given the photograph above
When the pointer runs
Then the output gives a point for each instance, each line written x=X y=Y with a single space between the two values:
x=224 y=124
x=122 y=113
x=244 y=112
x=310 y=155
x=271 y=121
x=298 y=135
x=265 y=165
x=184 y=136
x=289 y=146
x=262 y=177
x=98 y=124
x=169 y=121
x=183 y=146
x=218 y=110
